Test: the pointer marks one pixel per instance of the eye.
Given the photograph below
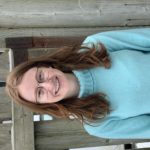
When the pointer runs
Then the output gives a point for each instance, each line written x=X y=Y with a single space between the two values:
x=40 y=76
x=40 y=93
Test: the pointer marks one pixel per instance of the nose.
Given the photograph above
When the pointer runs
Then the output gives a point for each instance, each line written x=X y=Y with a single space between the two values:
x=47 y=85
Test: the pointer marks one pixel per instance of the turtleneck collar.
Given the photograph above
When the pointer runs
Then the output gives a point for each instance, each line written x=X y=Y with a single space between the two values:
x=86 y=82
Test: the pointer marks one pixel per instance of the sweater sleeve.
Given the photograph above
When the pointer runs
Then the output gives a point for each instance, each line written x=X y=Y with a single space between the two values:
x=137 y=127
x=131 y=39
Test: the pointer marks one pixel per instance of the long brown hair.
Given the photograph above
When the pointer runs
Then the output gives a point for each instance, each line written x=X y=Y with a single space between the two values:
x=66 y=59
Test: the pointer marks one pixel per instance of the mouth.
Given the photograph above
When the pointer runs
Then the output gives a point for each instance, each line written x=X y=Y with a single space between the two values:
x=57 y=85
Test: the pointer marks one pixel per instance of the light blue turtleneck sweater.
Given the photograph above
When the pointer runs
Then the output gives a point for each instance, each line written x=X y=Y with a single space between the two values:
x=126 y=84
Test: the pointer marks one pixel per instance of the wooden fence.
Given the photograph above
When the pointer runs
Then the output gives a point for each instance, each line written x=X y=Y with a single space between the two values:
x=61 y=21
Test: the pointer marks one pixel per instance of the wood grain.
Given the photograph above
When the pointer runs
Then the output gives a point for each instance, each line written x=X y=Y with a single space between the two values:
x=74 y=13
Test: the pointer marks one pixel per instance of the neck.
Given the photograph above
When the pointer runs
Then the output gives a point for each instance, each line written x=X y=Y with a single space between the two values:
x=74 y=85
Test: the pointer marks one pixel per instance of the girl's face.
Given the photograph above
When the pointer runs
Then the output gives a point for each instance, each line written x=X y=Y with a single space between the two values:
x=47 y=85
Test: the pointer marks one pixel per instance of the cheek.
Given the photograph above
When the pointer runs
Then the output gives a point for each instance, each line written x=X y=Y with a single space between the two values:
x=51 y=99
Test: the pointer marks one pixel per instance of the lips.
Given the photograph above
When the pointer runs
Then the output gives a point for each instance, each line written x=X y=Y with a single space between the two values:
x=57 y=85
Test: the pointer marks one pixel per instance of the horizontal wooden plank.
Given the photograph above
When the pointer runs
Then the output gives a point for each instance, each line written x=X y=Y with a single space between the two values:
x=5 y=136
x=19 y=42
x=70 y=134
x=53 y=32
x=35 y=52
x=62 y=32
x=41 y=42
x=53 y=42
x=74 y=13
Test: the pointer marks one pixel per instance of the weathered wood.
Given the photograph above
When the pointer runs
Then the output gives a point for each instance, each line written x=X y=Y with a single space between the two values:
x=39 y=51
x=53 y=32
x=5 y=113
x=54 y=42
x=42 y=42
x=4 y=66
x=5 y=103
x=4 y=99
x=5 y=136
x=70 y=134
x=19 y=42
x=22 y=119
x=22 y=129
x=74 y=13
x=141 y=149
x=20 y=55
x=81 y=17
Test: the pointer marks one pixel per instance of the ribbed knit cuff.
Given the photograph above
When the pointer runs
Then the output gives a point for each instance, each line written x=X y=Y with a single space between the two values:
x=85 y=81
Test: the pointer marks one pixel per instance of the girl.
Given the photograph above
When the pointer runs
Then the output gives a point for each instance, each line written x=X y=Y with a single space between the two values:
x=105 y=83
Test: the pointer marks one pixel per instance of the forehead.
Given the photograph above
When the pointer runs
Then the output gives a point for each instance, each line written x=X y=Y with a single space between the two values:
x=28 y=84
